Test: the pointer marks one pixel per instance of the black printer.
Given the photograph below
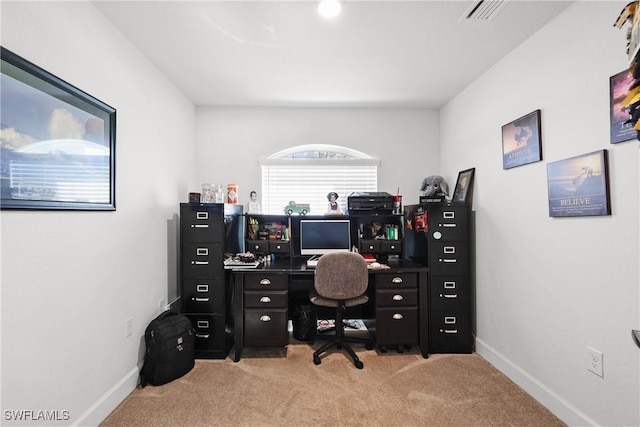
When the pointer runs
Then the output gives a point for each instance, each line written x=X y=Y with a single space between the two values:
x=370 y=202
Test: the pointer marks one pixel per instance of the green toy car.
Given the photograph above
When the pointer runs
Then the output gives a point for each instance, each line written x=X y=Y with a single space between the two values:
x=300 y=208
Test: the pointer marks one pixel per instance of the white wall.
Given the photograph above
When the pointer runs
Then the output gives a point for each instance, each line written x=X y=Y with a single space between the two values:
x=230 y=140
x=549 y=287
x=70 y=279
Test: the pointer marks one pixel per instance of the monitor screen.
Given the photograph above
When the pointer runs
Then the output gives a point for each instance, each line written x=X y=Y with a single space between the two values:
x=319 y=237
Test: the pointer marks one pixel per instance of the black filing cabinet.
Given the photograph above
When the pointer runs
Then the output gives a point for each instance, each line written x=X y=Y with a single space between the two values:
x=205 y=297
x=448 y=255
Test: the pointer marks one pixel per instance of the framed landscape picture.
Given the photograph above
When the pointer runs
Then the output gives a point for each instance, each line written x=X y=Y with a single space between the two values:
x=579 y=186
x=621 y=129
x=57 y=142
x=521 y=141
x=463 y=192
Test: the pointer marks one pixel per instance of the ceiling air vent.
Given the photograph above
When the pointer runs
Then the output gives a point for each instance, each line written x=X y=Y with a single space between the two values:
x=482 y=10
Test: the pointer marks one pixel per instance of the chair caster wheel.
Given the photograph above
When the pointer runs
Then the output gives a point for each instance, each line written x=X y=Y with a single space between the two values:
x=369 y=346
x=359 y=364
x=316 y=360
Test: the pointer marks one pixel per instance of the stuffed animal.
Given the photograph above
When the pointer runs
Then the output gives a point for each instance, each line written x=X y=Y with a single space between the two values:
x=434 y=185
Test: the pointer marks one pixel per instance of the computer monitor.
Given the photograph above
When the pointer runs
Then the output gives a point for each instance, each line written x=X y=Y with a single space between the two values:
x=320 y=236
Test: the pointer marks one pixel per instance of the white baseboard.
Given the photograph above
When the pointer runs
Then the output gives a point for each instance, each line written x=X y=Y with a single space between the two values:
x=547 y=397
x=110 y=400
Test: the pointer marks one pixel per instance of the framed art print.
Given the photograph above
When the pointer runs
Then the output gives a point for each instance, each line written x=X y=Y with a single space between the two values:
x=521 y=141
x=621 y=128
x=57 y=142
x=463 y=192
x=579 y=186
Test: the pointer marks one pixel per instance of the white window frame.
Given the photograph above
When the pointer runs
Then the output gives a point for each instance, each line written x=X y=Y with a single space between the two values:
x=290 y=175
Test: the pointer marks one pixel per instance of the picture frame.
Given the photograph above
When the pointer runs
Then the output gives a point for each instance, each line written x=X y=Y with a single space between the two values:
x=579 y=186
x=463 y=193
x=621 y=128
x=522 y=141
x=57 y=142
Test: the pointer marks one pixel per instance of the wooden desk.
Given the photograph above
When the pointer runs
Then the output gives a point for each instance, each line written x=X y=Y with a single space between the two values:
x=397 y=313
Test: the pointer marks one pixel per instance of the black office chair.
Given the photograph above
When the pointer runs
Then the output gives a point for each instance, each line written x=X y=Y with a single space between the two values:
x=341 y=280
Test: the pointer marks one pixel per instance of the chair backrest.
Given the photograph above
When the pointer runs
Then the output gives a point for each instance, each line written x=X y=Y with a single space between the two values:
x=341 y=275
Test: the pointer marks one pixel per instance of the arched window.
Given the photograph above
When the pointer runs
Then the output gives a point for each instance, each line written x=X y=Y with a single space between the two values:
x=307 y=173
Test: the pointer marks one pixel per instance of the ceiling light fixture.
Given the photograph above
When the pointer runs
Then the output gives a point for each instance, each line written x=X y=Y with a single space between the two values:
x=329 y=8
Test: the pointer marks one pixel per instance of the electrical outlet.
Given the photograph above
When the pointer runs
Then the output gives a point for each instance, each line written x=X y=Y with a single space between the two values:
x=594 y=361
x=128 y=327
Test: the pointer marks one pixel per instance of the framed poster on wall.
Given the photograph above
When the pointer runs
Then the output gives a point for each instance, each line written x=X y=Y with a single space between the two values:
x=621 y=128
x=57 y=142
x=579 y=186
x=521 y=141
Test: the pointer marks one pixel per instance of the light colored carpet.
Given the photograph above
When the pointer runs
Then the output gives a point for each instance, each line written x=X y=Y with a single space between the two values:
x=392 y=390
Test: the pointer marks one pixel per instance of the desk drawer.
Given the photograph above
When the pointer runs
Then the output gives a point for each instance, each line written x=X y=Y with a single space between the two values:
x=258 y=299
x=391 y=246
x=265 y=281
x=396 y=280
x=396 y=325
x=266 y=327
x=203 y=296
x=396 y=297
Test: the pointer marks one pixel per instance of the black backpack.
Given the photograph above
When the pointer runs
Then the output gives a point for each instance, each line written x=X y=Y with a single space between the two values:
x=170 y=340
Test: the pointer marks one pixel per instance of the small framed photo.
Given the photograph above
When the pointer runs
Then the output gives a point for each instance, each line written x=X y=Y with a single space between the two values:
x=521 y=141
x=463 y=192
x=621 y=127
x=579 y=186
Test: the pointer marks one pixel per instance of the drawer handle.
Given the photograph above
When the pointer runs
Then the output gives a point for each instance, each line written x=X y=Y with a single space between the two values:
x=205 y=336
x=397 y=316
x=200 y=262
x=199 y=226
x=449 y=285
x=398 y=298
x=449 y=225
x=449 y=331
x=202 y=288
x=201 y=299
x=202 y=215
x=265 y=282
x=449 y=214
x=448 y=260
x=370 y=247
x=202 y=251
x=448 y=295
x=449 y=249
x=278 y=247
x=265 y=318
x=256 y=247
x=393 y=247
x=204 y=324
x=396 y=280
x=449 y=320
x=265 y=299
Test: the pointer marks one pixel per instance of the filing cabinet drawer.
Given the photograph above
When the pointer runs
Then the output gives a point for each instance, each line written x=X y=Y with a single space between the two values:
x=450 y=332
x=265 y=281
x=449 y=292
x=396 y=297
x=266 y=327
x=449 y=257
x=396 y=325
x=209 y=330
x=203 y=296
x=202 y=260
x=201 y=223
x=391 y=246
x=449 y=223
x=257 y=299
x=396 y=280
